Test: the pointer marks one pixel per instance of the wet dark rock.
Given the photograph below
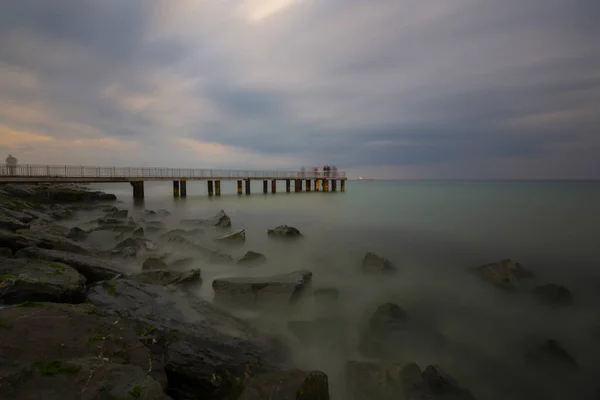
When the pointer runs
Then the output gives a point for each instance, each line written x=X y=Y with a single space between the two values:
x=11 y=224
x=251 y=291
x=138 y=233
x=214 y=256
x=92 y=268
x=14 y=242
x=39 y=216
x=16 y=215
x=282 y=385
x=119 y=214
x=552 y=354
x=221 y=220
x=163 y=213
x=47 y=228
x=154 y=226
x=154 y=263
x=554 y=295
x=505 y=274
x=374 y=263
x=77 y=234
x=205 y=349
x=367 y=380
x=56 y=242
x=238 y=237
x=110 y=209
x=252 y=258
x=5 y=252
x=57 y=351
x=28 y=280
x=388 y=316
x=132 y=246
x=192 y=233
x=181 y=263
x=326 y=295
x=62 y=213
x=284 y=231
x=166 y=277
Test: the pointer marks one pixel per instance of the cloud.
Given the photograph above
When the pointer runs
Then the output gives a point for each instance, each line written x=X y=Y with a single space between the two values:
x=407 y=88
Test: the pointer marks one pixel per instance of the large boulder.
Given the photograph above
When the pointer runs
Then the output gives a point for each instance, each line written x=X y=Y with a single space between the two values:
x=270 y=290
x=58 y=351
x=11 y=224
x=284 y=231
x=373 y=263
x=28 y=280
x=48 y=240
x=92 y=268
x=221 y=220
x=367 y=380
x=283 y=385
x=132 y=247
x=191 y=233
x=213 y=256
x=554 y=295
x=206 y=351
x=252 y=258
x=165 y=277
x=14 y=241
x=505 y=274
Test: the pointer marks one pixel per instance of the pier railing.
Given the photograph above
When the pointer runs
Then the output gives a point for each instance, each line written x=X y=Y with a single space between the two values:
x=78 y=171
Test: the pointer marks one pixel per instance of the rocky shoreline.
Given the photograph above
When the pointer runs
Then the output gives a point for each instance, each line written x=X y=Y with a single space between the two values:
x=82 y=322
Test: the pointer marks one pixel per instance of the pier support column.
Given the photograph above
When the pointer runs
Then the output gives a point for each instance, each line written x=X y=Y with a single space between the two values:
x=298 y=185
x=273 y=186
x=217 y=188
x=239 y=187
x=334 y=185
x=210 y=188
x=317 y=185
x=247 y=186
x=183 y=188
x=138 y=190
x=265 y=187
x=175 y=188
x=326 y=185
x=287 y=185
x=343 y=185
x=308 y=184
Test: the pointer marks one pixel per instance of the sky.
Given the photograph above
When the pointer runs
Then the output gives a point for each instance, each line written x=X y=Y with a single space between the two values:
x=407 y=89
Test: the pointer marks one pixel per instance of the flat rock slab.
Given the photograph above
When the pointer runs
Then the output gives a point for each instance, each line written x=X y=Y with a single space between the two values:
x=505 y=274
x=24 y=280
x=285 y=232
x=221 y=220
x=270 y=290
x=92 y=268
x=252 y=258
x=205 y=349
x=165 y=277
x=287 y=385
x=57 y=351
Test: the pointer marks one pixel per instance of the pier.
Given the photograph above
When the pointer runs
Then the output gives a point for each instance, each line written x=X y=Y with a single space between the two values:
x=323 y=181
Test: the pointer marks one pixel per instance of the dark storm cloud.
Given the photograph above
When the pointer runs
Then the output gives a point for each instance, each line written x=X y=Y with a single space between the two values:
x=389 y=83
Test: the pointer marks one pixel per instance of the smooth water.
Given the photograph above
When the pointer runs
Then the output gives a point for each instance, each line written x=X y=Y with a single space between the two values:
x=432 y=231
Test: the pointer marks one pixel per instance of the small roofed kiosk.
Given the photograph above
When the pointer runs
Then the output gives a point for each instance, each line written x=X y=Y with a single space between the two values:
x=11 y=165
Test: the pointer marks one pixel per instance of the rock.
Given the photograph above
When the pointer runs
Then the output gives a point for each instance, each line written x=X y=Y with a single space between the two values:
x=119 y=214
x=505 y=274
x=221 y=220
x=214 y=256
x=48 y=228
x=138 y=233
x=552 y=354
x=165 y=277
x=77 y=234
x=181 y=263
x=554 y=295
x=388 y=316
x=163 y=213
x=5 y=252
x=251 y=291
x=133 y=246
x=438 y=382
x=14 y=242
x=374 y=263
x=62 y=214
x=92 y=268
x=16 y=215
x=252 y=258
x=60 y=351
x=326 y=295
x=206 y=350
x=233 y=238
x=284 y=231
x=110 y=209
x=292 y=384
x=28 y=280
x=11 y=224
x=154 y=263
x=149 y=212
x=39 y=216
x=50 y=241
x=192 y=233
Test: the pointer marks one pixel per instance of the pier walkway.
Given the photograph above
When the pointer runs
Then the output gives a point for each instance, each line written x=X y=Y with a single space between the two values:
x=136 y=176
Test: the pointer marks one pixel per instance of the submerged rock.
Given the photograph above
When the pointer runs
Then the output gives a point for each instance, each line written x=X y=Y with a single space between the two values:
x=205 y=350
x=374 y=263
x=284 y=231
x=552 y=354
x=181 y=263
x=153 y=263
x=77 y=234
x=234 y=237
x=58 y=351
x=292 y=384
x=133 y=246
x=28 y=280
x=56 y=242
x=92 y=268
x=505 y=273
x=252 y=258
x=221 y=220
x=192 y=233
x=166 y=277
x=252 y=291
x=554 y=295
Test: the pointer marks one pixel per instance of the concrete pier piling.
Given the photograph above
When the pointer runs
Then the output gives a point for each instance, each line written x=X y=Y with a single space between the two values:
x=317 y=185
x=210 y=188
x=342 y=185
x=247 y=186
x=308 y=184
x=334 y=185
x=183 y=188
x=217 y=188
x=326 y=185
x=298 y=185
x=239 y=187
x=265 y=187
x=175 y=188
x=138 y=190
x=273 y=186
x=287 y=185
